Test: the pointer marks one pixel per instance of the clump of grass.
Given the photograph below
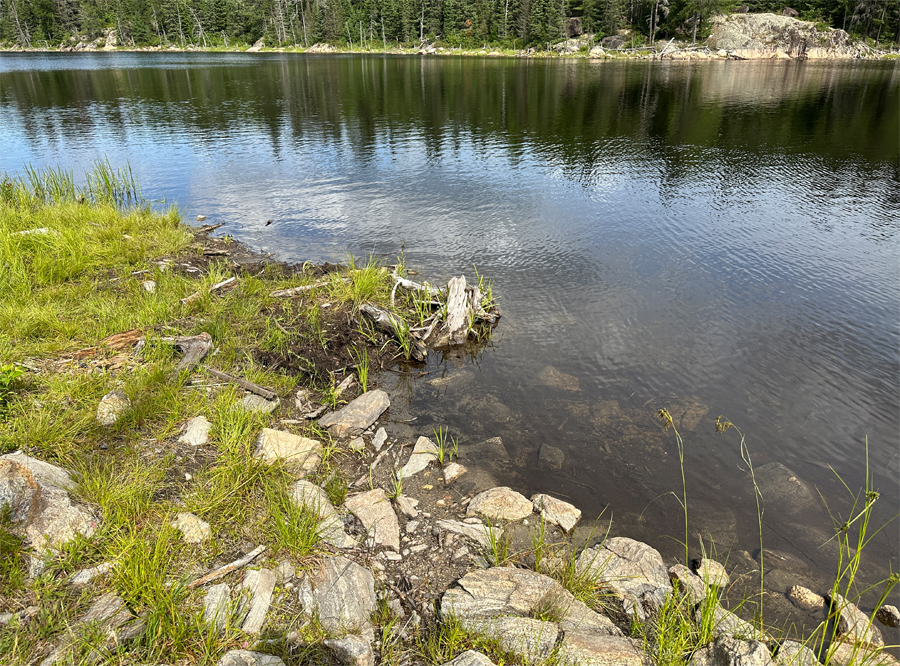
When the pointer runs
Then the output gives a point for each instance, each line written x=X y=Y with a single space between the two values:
x=361 y=356
x=8 y=375
x=447 y=446
x=12 y=573
x=395 y=488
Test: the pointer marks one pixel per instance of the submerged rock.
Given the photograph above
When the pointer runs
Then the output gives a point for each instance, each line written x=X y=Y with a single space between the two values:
x=553 y=378
x=805 y=599
x=889 y=616
x=551 y=457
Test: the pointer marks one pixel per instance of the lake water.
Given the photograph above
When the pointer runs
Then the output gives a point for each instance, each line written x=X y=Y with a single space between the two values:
x=715 y=238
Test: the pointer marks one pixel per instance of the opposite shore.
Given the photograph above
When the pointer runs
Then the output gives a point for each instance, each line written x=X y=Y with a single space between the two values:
x=734 y=37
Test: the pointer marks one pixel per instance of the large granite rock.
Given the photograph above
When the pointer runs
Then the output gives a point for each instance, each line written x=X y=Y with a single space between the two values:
x=342 y=594
x=315 y=499
x=853 y=624
x=792 y=653
x=358 y=415
x=42 y=511
x=352 y=650
x=424 y=453
x=532 y=640
x=299 y=453
x=500 y=503
x=556 y=511
x=726 y=623
x=503 y=591
x=786 y=492
x=766 y=35
x=585 y=649
x=728 y=651
x=376 y=514
x=689 y=583
x=633 y=571
x=842 y=653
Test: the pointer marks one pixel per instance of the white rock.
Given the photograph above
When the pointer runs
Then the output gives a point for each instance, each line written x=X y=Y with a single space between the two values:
x=556 y=511
x=248 y=658
x=412 y=526
x=357 y=444
x=255 y=403
x=352 y=650
x=379 y=439
x=500 y=503
x=85 y=576
x=480 y=533
x=149 y=286
x=196 y=431
x=424 y=452
x=192 y=528
x=216 y=606
x=357 y=415
x=805 y=598
x=453 y=471
x=111 y=408
x=712 y=573
x=315 y=499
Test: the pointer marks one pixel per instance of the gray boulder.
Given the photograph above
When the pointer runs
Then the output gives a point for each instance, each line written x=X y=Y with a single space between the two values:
x=792 y=653
x=853 y=623
x=470 y=658
x=633 y=571
x=585 y=649
x=500 y=503
x=358 y=415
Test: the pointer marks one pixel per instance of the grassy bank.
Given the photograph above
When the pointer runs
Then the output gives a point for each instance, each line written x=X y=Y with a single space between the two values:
x=81 y=266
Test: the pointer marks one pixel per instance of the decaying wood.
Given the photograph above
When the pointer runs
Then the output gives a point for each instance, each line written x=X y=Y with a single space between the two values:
x=392 y=325
x=344 y=385
x=243 y=383
x=210 y=252
x=215 y=287
x=227 y=569
x=206 y=228
x=194 y=347
x=455 y=328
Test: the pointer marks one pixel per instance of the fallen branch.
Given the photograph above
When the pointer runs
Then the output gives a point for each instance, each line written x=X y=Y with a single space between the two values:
x=206 y=228
x=227 y=569
x=243 y=383
x=215 y=287
x=393 y=325
x=293 y=291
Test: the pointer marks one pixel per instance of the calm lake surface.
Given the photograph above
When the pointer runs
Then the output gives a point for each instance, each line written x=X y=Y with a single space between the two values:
x=715 y=238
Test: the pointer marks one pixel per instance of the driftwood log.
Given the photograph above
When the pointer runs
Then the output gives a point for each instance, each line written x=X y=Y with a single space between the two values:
x=393 y=325
x=194 y=347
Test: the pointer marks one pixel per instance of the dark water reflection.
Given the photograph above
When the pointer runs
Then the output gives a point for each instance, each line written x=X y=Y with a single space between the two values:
x=717 y=238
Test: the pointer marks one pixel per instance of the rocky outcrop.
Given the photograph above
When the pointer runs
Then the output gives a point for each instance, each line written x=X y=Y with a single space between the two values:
x=774 y=36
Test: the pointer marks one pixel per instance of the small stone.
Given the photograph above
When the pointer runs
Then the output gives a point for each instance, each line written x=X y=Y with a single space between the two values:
x=248 y=658
x=805 y=598
x=352 y=650
x=357 y=444
x=412 y=526
x=480 y=533
x=256 y=403
x=192 y=528
x=500 y=503
x=111 y=408
x=216 y=606
x=201 y=218
x=556 y=511
x=196 y=431
x=149 y=286
x=418 y=548
x=889 y=616
x=375 y=513
x=284 y=571
x=711 y=572
x=551 y=457
x=379 y=439
x=792 y=653
x=453 y=471
x=315 y=499
x=461 y=553
x=689 y=583
x=407 y=506
x=424 y=452
x=392 y=556
x=85 y=576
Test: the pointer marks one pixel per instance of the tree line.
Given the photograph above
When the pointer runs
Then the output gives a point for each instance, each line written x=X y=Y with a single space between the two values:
x=384 y=23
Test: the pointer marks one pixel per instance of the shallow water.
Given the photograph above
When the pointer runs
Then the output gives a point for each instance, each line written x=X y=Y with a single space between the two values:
x=715 y=238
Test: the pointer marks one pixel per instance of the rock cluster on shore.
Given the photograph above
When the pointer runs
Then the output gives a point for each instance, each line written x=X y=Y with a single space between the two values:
x=375 y=540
